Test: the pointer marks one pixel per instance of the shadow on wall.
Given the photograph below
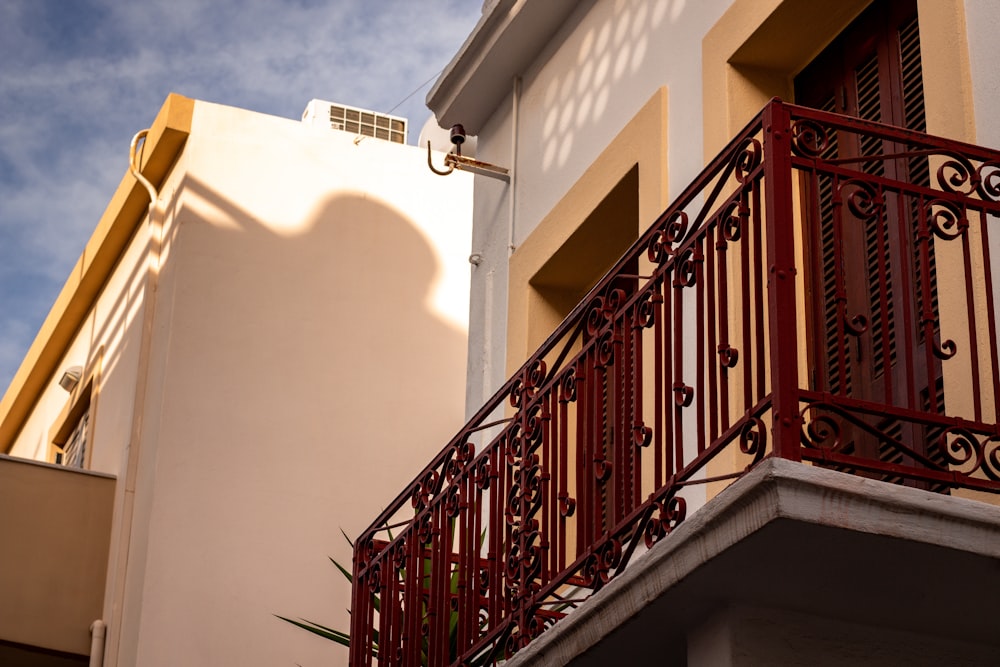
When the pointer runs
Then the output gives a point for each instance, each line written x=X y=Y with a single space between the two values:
x=307 y=382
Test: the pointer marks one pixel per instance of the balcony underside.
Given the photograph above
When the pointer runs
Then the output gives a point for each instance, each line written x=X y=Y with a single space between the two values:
x=829 y=556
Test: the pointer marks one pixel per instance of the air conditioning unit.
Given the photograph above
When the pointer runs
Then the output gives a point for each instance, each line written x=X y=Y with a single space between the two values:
x=355 y=120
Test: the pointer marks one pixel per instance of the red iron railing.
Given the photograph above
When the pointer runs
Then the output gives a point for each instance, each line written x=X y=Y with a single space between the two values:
x=822 y=292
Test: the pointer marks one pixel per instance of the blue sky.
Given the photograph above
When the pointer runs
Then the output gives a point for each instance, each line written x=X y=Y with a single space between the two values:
x=79 y=77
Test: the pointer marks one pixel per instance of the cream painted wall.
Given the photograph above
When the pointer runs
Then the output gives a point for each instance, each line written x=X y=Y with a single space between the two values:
x=111 y=324
x=55 y=524
x=308 y=358
x=606 y=62
x=304 y=358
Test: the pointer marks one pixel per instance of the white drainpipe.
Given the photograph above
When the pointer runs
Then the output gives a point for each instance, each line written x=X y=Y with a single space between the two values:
x=97 y=643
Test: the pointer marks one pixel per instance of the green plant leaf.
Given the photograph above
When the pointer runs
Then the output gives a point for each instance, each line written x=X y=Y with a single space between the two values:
x=337 y=636
x=344 y=571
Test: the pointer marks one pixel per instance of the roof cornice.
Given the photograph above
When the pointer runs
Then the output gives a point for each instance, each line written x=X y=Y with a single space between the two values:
x=507 y=39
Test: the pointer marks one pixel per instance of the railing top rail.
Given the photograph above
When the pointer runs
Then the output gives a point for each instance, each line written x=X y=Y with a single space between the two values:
x=571 y=321
x=722 y=162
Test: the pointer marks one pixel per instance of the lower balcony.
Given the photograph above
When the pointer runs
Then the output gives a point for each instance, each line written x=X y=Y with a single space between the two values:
x=818 y=306
x=55 y=531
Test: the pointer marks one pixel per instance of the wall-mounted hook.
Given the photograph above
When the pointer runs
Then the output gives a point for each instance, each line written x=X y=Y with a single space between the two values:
x=430 y=163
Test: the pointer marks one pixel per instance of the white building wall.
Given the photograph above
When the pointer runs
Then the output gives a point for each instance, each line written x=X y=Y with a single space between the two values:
x=604 y=64
x=982 y=18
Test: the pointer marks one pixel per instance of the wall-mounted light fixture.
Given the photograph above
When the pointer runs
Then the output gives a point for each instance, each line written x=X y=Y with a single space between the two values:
x=70 y=378
x=455 y=160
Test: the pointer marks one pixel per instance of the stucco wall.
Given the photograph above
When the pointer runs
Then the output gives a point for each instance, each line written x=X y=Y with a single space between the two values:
x=277 y=353
x=605 y=63
x=307 y=360
x=982 y=19
x=55 y=525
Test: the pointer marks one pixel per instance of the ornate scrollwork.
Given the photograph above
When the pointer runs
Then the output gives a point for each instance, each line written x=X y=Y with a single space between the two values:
x=991 y=458
x=533 y=490
x=613 y=303
x=669 y=513
x=597 y=568
x=944 y=350
x=567 y=385
x=453 y=503
x=683 y=394
x=567 y=506
x=821 y=431
x=959 y=447
x=425 y=529
x=484 y=581
x=642 y=435
x=375 y=578
x=526 y=386
x=461 y=454
x=513 y=444
x=597 y=316
x=734 y=219
x=366 y=549
x=524 y=560
x=753 y=438
x=534 y=421
x=989 y=181
x=539 y=623
x=483 y=474
x=687 y=271
x=512 y=511
x=728 y=356
x=425 y=488
x=746 y=159
x=957 y=175
x=963 y=450
x=863 y=200
x=535 y=374
x=515 y=642
x=857 y=325
x=661 y=245
x=602 y=469
x=606 y=345
x=809 y=138
x=946 y=220
x=399 y=554
x=646 y=308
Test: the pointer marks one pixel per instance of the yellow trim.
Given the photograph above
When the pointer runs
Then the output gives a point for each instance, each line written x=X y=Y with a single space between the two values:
x=124 y=213
x=758 y=46
x=642 y=142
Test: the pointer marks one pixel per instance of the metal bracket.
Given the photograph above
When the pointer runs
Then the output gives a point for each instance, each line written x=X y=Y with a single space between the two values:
x=453 y=161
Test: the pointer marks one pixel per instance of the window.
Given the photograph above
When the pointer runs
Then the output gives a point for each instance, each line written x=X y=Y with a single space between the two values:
x=72 y=453
x=71 y=436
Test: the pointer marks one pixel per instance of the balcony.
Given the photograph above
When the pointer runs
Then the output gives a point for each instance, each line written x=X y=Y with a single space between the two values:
x=822 y=294
x=56 y=527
